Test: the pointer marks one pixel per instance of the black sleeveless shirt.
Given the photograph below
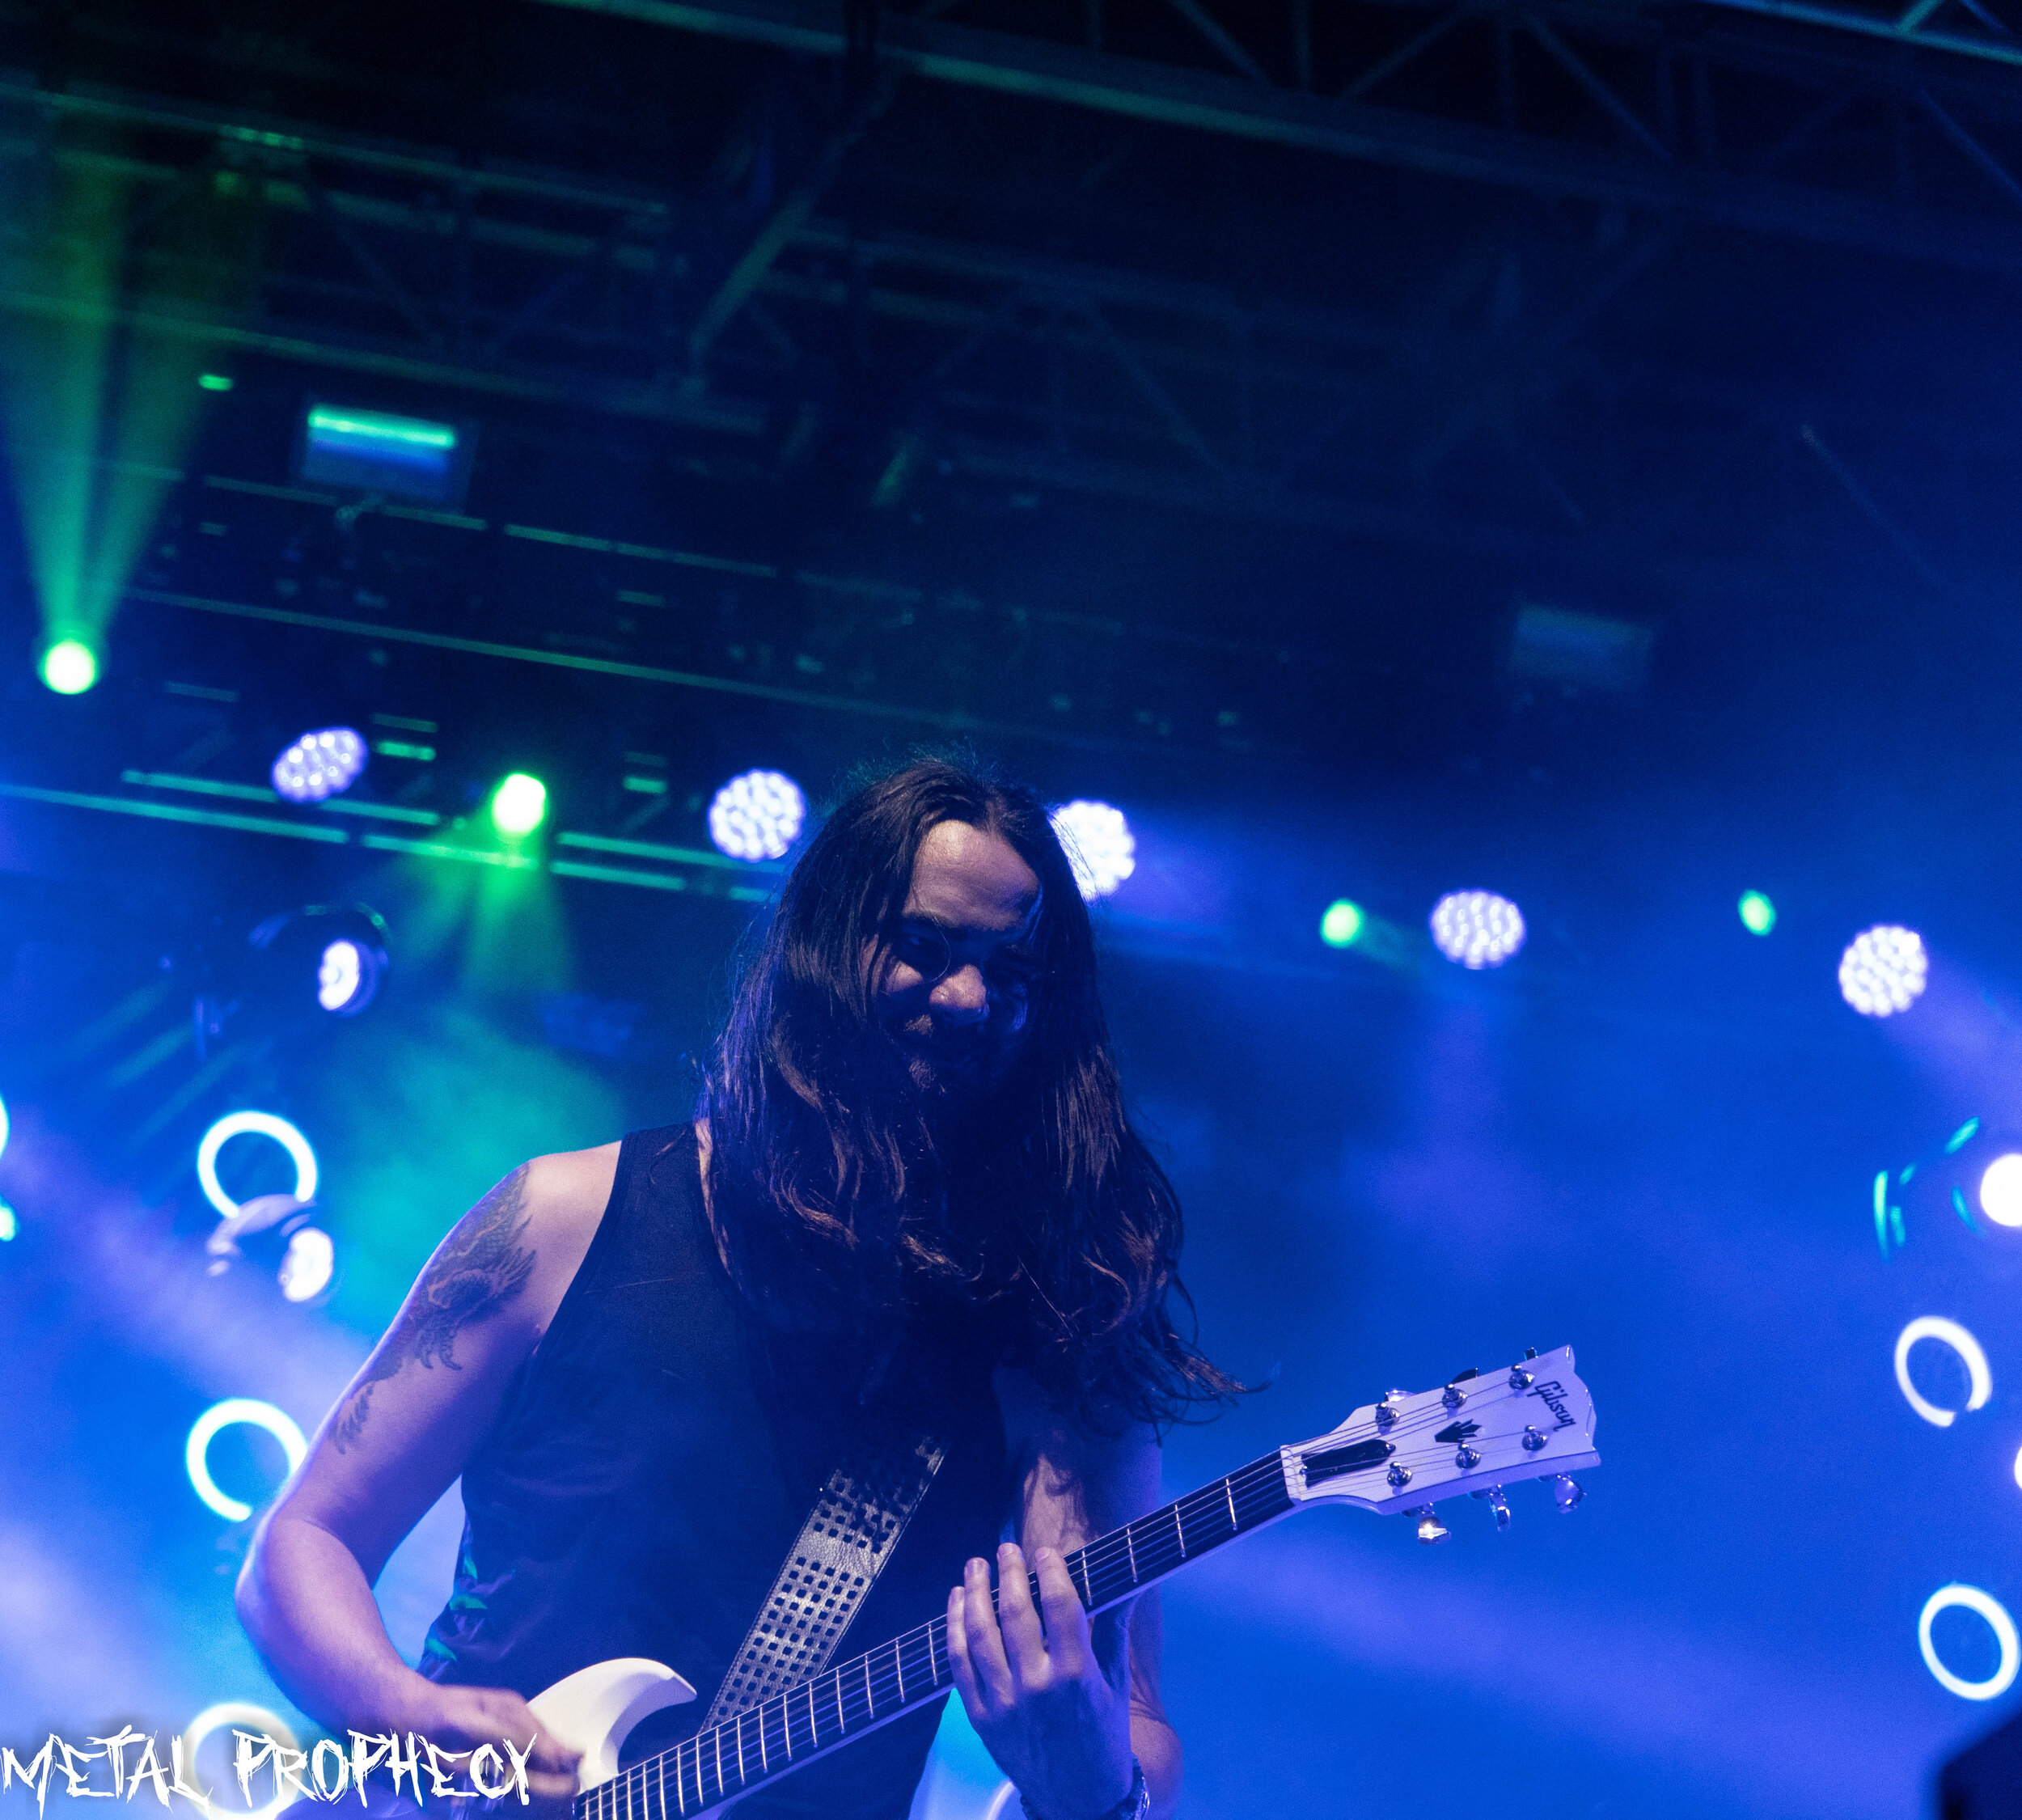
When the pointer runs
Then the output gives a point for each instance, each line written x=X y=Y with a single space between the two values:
x=654 y=1458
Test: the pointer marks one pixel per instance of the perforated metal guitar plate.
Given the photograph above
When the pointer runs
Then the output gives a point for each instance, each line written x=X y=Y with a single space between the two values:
x=856 y=1524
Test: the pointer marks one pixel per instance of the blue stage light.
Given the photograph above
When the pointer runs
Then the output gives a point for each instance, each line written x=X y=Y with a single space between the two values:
x=307 y=1265
x=757 y=815
x=319 y=765
x=346 y=977
x=1477 y=928
x=1883 y=970
x=265 y=1124
x=5 y=1127
x=221 y=1415
x=1099 y=844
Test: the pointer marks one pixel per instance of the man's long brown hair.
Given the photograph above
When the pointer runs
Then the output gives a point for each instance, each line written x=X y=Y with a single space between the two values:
x=1048 y=1230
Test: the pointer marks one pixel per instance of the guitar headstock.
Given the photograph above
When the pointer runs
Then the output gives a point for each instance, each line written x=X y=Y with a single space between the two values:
x=1532 y=1420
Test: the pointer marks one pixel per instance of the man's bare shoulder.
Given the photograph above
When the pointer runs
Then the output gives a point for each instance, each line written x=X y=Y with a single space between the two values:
x=560 y=1201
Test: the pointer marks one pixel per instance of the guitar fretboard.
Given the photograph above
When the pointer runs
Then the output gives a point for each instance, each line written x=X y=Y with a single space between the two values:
x=815 y=1717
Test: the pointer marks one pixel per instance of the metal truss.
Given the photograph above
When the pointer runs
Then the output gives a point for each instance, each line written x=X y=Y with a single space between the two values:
x=1670 y=109
x=1000 y=364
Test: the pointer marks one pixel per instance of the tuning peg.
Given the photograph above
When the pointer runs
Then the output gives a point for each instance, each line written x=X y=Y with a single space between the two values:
x=1386 y=1408
x=1565 y=1493
x=1533 y=1437
x=1498 y=1504
x=1453 y=1396
x=1430 y=1528
x=1521 y=1379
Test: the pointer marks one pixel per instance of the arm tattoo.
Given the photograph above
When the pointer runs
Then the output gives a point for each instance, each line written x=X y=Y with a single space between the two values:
x=480 y=1268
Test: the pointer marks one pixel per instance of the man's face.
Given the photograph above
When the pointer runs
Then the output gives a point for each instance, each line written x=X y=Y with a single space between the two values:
x=973 y=905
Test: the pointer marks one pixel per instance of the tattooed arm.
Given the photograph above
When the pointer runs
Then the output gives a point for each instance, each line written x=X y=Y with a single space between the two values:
x=397 y=1438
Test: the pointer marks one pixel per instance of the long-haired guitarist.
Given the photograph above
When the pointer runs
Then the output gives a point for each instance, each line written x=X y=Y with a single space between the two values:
x=911 y=1204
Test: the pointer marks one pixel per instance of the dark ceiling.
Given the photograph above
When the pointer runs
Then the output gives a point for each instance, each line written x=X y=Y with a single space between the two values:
x=1124 y=373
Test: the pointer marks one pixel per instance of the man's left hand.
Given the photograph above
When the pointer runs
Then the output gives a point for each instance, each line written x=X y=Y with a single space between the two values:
x=1038 y=1696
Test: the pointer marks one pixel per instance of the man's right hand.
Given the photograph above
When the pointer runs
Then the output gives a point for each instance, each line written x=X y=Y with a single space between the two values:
x=460 y=1718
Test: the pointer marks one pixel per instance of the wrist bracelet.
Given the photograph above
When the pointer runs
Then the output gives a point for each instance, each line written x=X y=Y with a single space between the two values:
x=1134 y=1806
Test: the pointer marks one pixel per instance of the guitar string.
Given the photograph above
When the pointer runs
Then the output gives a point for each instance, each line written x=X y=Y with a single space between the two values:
x=883 y=1685
x=1095 y=1561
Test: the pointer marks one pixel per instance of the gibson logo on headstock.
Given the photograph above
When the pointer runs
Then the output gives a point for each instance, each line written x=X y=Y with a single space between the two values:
x=1553 y=1396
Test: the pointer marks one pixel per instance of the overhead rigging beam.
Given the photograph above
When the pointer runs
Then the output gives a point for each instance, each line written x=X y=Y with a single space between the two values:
x=1044 y=70
x=1906 y=28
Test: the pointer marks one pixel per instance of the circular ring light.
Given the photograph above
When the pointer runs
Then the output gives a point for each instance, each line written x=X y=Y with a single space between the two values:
x=1936 y=1326
x=252 y=1718
x=266 y=1124
x=1971 y=1598
x=222 y=1416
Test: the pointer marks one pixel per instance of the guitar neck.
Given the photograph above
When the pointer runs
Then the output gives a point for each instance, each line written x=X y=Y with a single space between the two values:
x=812 y=1719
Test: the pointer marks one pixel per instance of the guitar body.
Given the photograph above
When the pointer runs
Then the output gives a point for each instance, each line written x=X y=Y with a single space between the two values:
x=594 y=1709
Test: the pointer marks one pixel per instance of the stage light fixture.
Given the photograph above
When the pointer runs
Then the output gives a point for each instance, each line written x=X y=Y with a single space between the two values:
x=320 y=765
x=2001 y=1191
x=307 y=1265
x=519 y=806
x=1884 y=970
x=9 y=1225
x=375 y=451
x=1477 y=928
x=1341 y=926
x=264 y=1124
x=221 y=1416
x=1099 y=843
x=334 y=955
x=1757 y=914
x=757 y=815
x=70 y=666
x=5 y=1126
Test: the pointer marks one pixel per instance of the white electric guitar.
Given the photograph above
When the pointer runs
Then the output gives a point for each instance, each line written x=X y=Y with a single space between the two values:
x=1476 y=1434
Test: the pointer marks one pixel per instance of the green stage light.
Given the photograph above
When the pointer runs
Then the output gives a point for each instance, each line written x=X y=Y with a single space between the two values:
x=1342 y=925
x=1758 y=915
x=519 y=806
x=70 y=666
x=215 y=382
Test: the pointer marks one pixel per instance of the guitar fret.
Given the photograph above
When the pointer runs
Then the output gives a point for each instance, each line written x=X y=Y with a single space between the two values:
x=870 y=1702
x=741 y=1776
x=1129 y=1548
x=1087 y=1591
x=1229 y=1486
x=842 y=1721
x=1179 y=1529
x=660 y=1764
x=716 y=1744
x=765 y=1767
x=898 y=1665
